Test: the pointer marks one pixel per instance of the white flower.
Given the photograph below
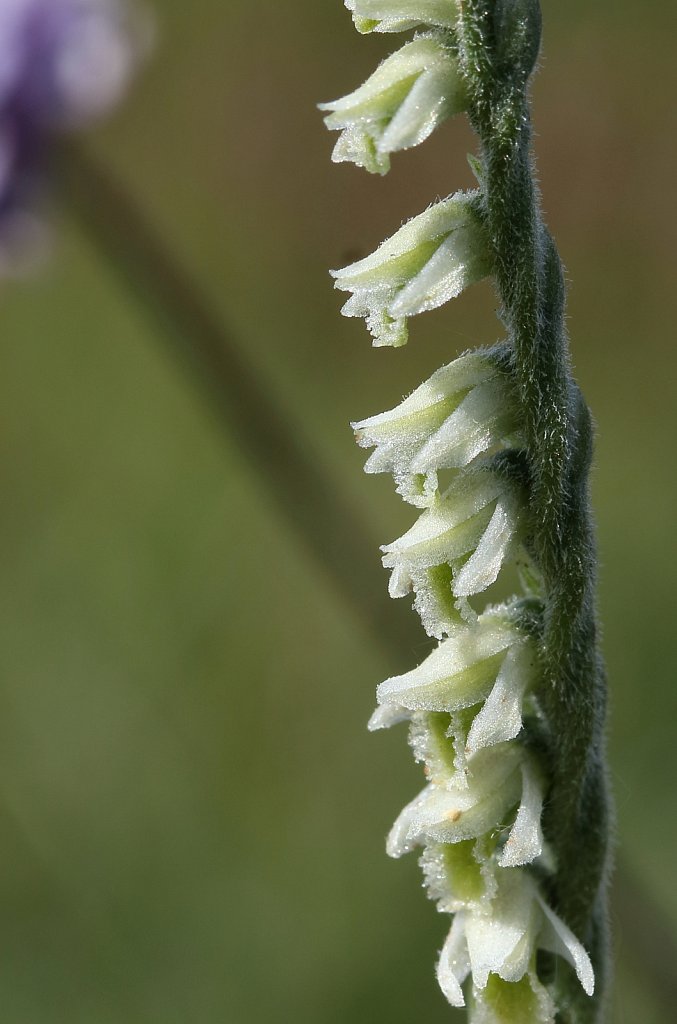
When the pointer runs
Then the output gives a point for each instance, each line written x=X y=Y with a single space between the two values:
x=488 y=667
x=466 y=806
x=430 y=260
x=501 y=940
x=456 y=547
x=402 y=103
x=498 y=720
x=401 y=15
x=461 y=672
x=462 y=411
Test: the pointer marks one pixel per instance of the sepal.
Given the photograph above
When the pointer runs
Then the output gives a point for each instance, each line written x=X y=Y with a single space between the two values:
x=399 y=106
x=431 y=259
x=402 y=15
x=500 y=717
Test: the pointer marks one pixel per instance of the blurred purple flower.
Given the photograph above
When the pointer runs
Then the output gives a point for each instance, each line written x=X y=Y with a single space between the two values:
x=63 y=63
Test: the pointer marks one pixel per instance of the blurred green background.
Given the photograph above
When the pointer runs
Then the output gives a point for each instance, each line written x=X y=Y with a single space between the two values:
x=192 y=810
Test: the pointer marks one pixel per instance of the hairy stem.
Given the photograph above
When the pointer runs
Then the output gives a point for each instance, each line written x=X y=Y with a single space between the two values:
x=498 y=48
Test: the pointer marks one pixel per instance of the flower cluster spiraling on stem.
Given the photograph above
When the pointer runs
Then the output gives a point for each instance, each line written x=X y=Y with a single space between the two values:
x=506 y=714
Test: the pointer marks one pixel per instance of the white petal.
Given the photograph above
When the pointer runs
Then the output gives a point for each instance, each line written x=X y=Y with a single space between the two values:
x=484 y=565
x=454 y=814
x=451 y=527
x=500 y=718
x=355 y=145
x=458 y=673
x=458 y=876
x=435 y=603
x=387 y=715
x=436 y=95
x=525 y=842
x=420 y=491
x=402 y=434
x=459 y=261
x=461 y=375
x=434 y=223
x=378 y=96
x=400 y=582
x=556 y=937
x=453 y=965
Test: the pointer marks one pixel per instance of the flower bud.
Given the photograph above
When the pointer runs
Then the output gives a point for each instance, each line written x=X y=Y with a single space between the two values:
x=402 y=103
x=430 y=260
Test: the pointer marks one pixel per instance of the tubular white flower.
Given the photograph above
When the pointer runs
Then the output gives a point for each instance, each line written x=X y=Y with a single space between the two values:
x=406 y=98
x=430 y=260
x=456 y=547
x=401 y=15
x=468 y=805
x=501 y=940
x=462 y=411
x=500 y=717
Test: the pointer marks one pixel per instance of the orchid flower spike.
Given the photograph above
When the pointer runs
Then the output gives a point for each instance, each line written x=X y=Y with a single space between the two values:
x=505 y=714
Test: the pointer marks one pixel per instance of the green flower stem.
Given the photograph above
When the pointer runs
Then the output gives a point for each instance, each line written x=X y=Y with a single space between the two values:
x=498 y=46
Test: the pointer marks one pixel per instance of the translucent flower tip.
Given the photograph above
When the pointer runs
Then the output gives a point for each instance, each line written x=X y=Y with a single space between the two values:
x=463 y=410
